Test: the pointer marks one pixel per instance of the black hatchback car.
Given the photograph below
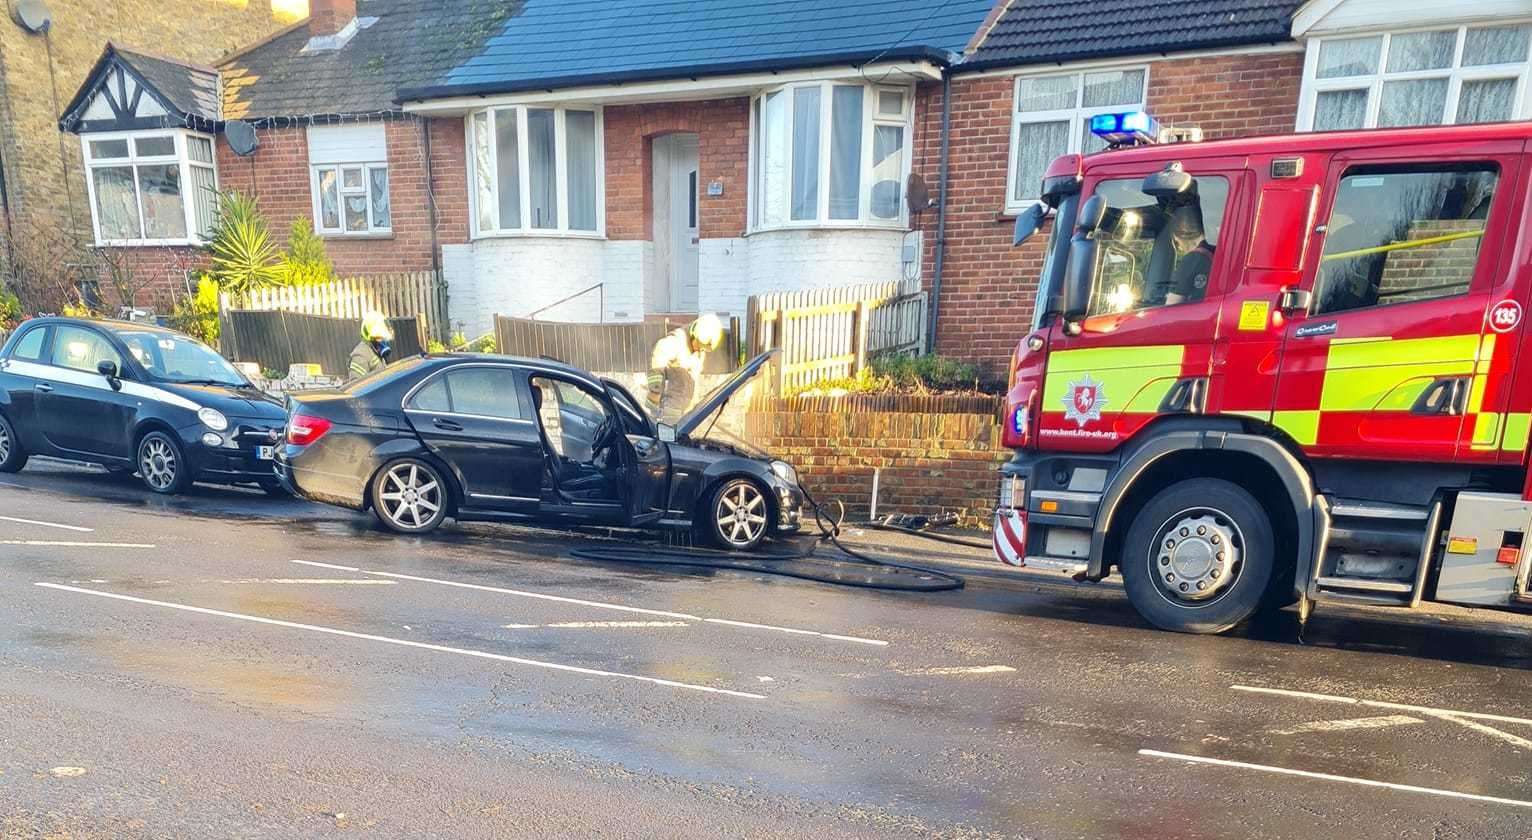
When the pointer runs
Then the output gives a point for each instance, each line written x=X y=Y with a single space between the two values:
x=134 y=398
x=480 y=437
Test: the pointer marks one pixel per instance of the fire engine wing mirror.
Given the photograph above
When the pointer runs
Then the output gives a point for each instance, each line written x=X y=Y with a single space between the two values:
x=1081 y=270
x=1028 y=222
x=1170 y=182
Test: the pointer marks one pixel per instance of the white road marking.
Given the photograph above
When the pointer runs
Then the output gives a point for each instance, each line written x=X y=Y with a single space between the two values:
x=66 y=772
x=47 y=524
x=314 y=628
x=584 y=625
x=1327 y=777
x=67 y=544
x=601 y=605
x=1383 y=722
x=959 y=669
x=1380 y=704
x=1483 y=729
x=336 y=581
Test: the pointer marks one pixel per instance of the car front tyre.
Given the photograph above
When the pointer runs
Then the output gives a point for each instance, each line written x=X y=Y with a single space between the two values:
x=1198 y=557
x=162 y=464
x=736 y=515
x=12 y=458
x=409 y=496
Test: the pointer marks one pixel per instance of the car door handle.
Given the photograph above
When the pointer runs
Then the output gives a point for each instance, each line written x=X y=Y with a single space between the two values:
x=44 y=387
x=446 y=425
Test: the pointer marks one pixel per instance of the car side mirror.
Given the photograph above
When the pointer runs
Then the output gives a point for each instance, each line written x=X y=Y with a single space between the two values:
x=108 y=369
x=667 y=432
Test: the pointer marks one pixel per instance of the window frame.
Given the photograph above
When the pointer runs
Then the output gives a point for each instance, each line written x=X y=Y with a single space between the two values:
x=524 y=171
x=374 y=230
x=1078 y=118
x=1455 y=74
x=871 y=119
x=518 y=378
x=183 y=160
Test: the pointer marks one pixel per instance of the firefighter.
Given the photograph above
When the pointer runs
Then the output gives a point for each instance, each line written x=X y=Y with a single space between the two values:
x=676 y=364
x=371 y=353
x=1194 y=262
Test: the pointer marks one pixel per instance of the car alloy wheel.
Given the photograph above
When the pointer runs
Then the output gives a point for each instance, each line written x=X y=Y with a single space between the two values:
x=410 y=497
x=5 y=442
x=159 y=463
x=739 y=515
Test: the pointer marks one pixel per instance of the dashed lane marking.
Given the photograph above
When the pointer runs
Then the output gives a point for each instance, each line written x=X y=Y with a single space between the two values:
x=333 y=631
x=318 y=581
x=70 y=544
x=958 y=670
x=47 y=524
x=602 y=605
x=1329 y=777
x=1380 y=704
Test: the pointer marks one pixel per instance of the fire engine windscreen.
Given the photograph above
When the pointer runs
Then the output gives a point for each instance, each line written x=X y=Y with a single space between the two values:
x=1155 y=251
x=1398 y=234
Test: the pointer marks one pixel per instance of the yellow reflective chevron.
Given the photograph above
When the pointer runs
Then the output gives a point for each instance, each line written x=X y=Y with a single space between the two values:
x=1516 y=428
x=1303 y=426
x=1131 y=379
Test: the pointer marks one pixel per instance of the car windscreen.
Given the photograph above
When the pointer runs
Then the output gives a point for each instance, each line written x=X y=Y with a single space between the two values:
x=169 y=357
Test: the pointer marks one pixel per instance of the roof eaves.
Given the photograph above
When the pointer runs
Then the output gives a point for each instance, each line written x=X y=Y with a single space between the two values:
x=971 y=65
x=651 y=74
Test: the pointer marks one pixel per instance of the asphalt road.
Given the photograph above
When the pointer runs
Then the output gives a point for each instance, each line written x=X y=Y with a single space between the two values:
x=185 y=668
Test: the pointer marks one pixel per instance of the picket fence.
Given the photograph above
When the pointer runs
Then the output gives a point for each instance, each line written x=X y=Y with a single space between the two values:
x=415 y=294
x=832 y=333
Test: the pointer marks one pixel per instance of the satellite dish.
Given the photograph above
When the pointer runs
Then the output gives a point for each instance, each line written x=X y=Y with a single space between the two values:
x=241 y=137
x=33 y=15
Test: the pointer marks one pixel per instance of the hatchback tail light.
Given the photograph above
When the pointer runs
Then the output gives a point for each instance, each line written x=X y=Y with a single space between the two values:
x=304 y=429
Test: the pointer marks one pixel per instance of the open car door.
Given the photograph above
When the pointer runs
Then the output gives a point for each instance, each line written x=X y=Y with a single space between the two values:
x=646 y=459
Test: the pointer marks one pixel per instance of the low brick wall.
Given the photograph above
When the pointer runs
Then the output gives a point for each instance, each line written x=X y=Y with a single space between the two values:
x=935 y=454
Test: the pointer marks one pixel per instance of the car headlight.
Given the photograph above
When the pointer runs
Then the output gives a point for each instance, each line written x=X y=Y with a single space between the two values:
x=213 y=419
x=785 y=471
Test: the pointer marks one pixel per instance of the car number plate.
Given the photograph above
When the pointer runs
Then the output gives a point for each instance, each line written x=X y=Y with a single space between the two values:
x=265 y=453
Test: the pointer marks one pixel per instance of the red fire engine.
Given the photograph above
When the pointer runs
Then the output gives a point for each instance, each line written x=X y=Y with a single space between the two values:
x=1279 y=369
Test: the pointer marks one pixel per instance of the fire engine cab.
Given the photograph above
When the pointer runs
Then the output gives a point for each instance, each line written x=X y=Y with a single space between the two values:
x=1280 y=369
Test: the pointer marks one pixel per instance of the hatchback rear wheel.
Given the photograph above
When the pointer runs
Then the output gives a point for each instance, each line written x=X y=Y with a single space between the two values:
x=12 y=458
x=409 y=496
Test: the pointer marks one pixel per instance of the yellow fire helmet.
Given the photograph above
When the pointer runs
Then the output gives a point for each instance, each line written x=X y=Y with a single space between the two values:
x=707 y=331
x=375 y=327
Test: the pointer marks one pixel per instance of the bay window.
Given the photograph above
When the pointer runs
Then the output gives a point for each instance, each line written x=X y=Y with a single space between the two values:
x=536 y=170
x=150 y=187
x=830 y=154
x=1463 y=74
x=1052 y=115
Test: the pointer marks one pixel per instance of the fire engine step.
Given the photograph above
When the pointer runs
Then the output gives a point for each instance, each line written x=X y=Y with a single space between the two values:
x=1375 y=552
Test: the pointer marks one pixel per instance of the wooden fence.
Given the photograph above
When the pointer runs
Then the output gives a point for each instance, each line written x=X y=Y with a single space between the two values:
x=607 y=348
x=406 y=295
x=275 y=340
x=833 y=333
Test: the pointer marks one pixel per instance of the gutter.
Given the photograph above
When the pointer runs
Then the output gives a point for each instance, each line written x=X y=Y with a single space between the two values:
x=941 y=211
x=940 y=57
x=1021 y=62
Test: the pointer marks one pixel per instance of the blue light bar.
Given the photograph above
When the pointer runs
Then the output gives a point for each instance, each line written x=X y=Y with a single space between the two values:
x=1129 y=128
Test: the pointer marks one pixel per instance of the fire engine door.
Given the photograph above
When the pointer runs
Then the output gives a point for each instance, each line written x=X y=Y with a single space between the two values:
x=1385 y=352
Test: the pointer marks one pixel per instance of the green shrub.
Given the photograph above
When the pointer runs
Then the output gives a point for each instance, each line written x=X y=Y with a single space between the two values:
x=931 y=372
x=305 y=262
x=244 y=259
x=435 y=346
x=10 y=306
x=197 y=314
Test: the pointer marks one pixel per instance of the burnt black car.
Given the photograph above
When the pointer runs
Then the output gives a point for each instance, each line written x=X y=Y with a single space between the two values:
x=481 y=437
x=134 y=398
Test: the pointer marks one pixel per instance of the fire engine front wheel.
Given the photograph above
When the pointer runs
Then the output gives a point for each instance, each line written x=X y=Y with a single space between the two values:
x=1198 y=557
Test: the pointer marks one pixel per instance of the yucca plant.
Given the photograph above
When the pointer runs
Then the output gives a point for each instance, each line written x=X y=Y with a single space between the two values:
x=243 y=256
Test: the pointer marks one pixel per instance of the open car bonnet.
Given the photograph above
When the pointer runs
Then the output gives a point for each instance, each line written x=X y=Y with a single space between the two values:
x=697 y=421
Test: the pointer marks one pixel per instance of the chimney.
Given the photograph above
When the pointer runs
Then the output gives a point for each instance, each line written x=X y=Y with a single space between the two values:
x=327 y=17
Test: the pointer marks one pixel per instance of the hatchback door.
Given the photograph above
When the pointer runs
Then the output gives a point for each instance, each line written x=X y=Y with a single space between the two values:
x=479 y=420
x=78 y=410
x=19 y=376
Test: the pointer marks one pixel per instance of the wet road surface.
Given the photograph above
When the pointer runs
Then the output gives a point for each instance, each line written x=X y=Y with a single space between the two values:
x=224 y=664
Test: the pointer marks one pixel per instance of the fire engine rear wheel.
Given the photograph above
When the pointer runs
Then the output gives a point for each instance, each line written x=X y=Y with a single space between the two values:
x=1198 y=557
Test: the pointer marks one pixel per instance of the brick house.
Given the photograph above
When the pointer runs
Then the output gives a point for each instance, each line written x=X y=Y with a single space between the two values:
x=45 y=220
x=1040 y=68
x=613 y=160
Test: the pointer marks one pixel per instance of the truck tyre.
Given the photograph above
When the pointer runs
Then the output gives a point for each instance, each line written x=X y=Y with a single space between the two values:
x=1198 y=556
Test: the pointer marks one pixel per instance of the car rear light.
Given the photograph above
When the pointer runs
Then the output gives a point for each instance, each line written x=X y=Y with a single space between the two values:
x=304 y=429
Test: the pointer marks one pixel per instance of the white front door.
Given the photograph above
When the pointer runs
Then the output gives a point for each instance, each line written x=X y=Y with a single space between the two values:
x=675 y=220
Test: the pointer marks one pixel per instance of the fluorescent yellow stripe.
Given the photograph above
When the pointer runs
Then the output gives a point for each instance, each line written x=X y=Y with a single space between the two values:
x=1516 y=428
x=1384 y=374
x=1095 y=360
x=1486 y=430
x=1302 y=425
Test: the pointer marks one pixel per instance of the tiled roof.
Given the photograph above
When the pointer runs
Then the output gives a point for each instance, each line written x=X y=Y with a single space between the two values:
x=560 y=43
x=1044 y=31
x=191 y=88
x=408 y=42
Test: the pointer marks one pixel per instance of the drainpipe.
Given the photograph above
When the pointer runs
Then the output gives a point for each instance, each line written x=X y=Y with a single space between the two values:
x=941 y=211
x=444 y=328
